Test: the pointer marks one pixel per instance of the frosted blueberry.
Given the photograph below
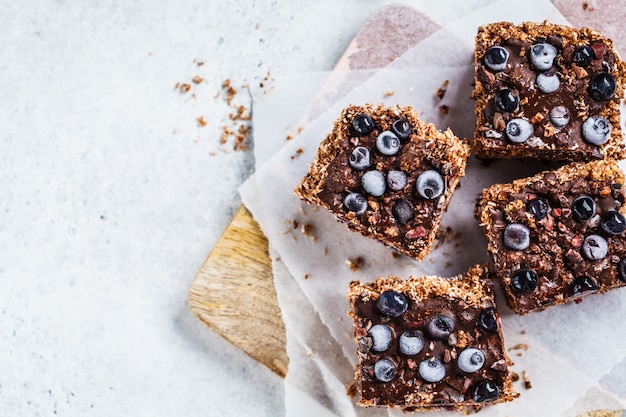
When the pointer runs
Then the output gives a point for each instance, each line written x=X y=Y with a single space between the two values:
x=583 y=55
x=388 y=143
x=548 y=82
x=583 y=284
x=374 y=183
x=595 y=247
x=516 y=236
x=402 y=210
x=470 y=360
x=363 y=124
x=485 y=390
x=355 y=202
x=385 y=370
x=429 y=184
x=411 y=342
x=584 y=208
x=496 y=58
x=440 y=326
x=392 y=303
x=396 y=180
x=596 y=130
x=401 y=128
x=602 y=87
x=519 y=130
x=432 y=370
x=488 y=320
x=612 y=223
x=524 y=281
x=542 y=56
x=381 y=337
x=506 y=100
x=360 y=158
x=538 y=207
x=559 y=116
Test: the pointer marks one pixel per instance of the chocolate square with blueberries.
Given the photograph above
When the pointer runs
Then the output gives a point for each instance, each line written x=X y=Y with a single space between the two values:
x=548 y=92
x=557 y=236
x=429 y=342
x=387 y=175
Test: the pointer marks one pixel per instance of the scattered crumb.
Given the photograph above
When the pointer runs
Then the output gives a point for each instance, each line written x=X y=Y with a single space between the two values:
x=351 y=389
x=325 y=250
x=306 y=276
x=441 y=91
x=443 y=109
x=306 y=230
x=267 y=83
x=519 y=346
x=355 y=263
x=526 y=380
x=184 y=87
x=514 y=376
x=201 y=121
x=197 y=79
x=585 y=5
x=289 y=137
x=230 y=91
x=396 y=255
x=198 y=63
x=389 y=93
x=212 y=153
x=523 y=331
x=299 y=152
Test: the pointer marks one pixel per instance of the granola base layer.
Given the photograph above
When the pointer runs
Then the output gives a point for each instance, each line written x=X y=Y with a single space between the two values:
x=462 y=297
x=555 y=251
x=548 y=142
x=425 y=148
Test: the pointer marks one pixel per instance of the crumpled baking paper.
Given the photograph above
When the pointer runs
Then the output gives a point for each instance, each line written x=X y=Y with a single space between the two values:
x=574 y=359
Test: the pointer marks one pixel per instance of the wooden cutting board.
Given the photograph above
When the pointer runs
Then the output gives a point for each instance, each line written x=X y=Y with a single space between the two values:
x=233 y=293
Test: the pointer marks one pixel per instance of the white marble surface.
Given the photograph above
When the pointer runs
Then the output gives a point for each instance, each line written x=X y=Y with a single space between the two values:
x=111 y=195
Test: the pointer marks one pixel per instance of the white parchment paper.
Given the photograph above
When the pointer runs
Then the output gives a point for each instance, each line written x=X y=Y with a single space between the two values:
x=570 y=371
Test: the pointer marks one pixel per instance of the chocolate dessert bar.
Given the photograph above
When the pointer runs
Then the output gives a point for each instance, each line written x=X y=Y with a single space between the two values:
x=557 y=236
x=429 y=342
x=387 y=175
x=548 y=92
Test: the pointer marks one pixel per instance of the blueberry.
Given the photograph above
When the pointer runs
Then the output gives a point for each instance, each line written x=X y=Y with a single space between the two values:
x=612 y=223
x=524 y=281
x=507 y=100
x=392 y=303
x=542 y=56
x=602 y=87
x=519 y=130
x=363 y=124
x=360 y=158
x=595 y=247
x=496 y=58
x=488 y=320
x=485 y=390
x=559 y=116
x=396 y=180
x=429 y=184
x=583 y=55
x=516 y=236
x=432 y=370
x=538 y=208
x=583 y=284
x=584 y=208
x=440 y=326
x=381 y=337
x=402 y=210
x=388 y=143
x=621 y=269
x=596 y=130
x=355 y=202
x=411 y=342
x=470 y=360
x=401 y=128
x=385 y=370
x=374 y=183
x=548 y=82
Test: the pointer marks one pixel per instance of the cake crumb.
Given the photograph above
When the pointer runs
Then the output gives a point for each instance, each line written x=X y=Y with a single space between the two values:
x=444 y=109
x=441 y=91
x=201 y=121
x=514 y=376
x=306 y=276
x=527 y=383
x=389 y=93
x=197 y=79
x=184 y=87
x=519 y=346
x=355 y=263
